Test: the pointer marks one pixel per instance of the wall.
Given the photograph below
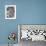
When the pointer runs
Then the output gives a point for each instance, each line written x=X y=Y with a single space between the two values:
x=27 y=12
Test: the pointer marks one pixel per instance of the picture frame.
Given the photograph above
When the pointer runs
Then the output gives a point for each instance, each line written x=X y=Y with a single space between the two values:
x=36 y=32
x=10 y=11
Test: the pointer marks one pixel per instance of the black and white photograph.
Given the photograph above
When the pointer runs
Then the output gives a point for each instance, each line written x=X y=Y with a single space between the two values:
x=10 y=11
x=31 y=34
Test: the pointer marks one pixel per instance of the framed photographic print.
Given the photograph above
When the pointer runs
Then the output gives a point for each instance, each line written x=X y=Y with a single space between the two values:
x=33 y=32
x=10 y=11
